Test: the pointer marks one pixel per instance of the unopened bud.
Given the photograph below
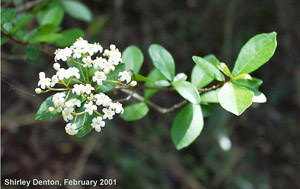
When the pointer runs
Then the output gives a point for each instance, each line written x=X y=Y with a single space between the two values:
x=56 y=66
x=51 y=109
x=38 y=91
x=133 y=83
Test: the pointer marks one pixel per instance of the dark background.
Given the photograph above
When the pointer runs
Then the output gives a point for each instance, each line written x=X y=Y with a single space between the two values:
x=265 y=139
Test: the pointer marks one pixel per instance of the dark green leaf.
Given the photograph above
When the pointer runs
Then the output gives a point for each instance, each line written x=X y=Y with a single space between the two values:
x=162 y=60
x=133 y=58
x=22 y=21
x=135 y=111
x=113 y=76
x=207 y=110
x=30 y=35
x=255 y=83
x=256 y=52
x=4 y=40
x=77 y=10
x=187 y=91
x=7 y=15
x=154 y=75
x=234 y=98
x=209 y=68
x=83 y=122
x=69 y=37
x=46 y=29
x=187 y=126
x=53 y=16
x=32 y=52
x=43 y=112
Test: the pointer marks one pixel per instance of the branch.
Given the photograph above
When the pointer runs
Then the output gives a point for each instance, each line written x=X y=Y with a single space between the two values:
x=153 y=105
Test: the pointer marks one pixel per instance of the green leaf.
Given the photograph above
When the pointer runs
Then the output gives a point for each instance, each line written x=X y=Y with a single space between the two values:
x=256 y=52
x=22 y=20
x=224 y=68
x=234 y=98
x=187 y=91
x=7 y=15
x=32 y=52
x=77 y=10
x=135 y=111
x=30 y=35
x=81 y=69
x=69 y=37
x=180 y=77
x=46 y=29
x=187 y=126
x=255 y=83
x=47 y=37
x=154 y=75
x=162 y=60
x=162 y=83
x=53 y=16
x=199 y=77
x=43 y=112
x=207 y=110
x=258 y=97
x=210 y=96
x=83 y=122
x=209 y=68
x=4 y=40
x=139 y=77
x=133 y=58
x=113 y=76
x=243 y=76
x=7 y=27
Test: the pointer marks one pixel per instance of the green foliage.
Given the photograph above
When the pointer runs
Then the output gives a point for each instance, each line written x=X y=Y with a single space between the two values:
x=234 y=98
x=210 y=97
x=223 y=67
x=256 y=52
x=162 y=60
x=53 y=16
x=43 y=112
x=135 y=111
x=77 y=10
x=84 y=122
x=188 y=91
x=69 y=36
x=209 y=67
x=154 y=75
x=180 y=77
x=7 y=15
x=133 y=58
x=187 y=126
x=32 y=52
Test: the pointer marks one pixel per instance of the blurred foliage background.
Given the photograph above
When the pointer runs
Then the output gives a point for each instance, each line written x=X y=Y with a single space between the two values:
x=259 y=149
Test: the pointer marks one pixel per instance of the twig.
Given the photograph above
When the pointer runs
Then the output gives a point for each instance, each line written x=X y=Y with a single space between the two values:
x=153 y=105
x=13 y=39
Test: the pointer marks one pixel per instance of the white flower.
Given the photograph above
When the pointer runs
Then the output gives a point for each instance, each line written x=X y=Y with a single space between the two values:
x=102 y=99
x=38 y=91
x=99 y=62
x=74 y=72
x=99 y=77
x=63 y=74
x=117 y=107
x=88 y=62
x=56 y=66
x=62 y=54
x=73 y=102
x=97 y=123
x=78 y=89
x=67 y=113
x=71 y=129
x=115 y=56
x=54 y=80
x=133 y=83
x=43 y=82
x=125 y=76
x=108 y=113
x=107 y=67
x=77 y=53
x=88 y=89
x=89 y=107
x=58 y=99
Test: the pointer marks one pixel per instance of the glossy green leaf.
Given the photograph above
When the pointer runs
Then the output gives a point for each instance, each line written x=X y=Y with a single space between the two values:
x=199 y=77
x=207 y=110
x=32 y=52
x=113 y=76
x=77 y=10
x=135 y=111
x=69 y=37
x=234 y=98
x=47 y=37
x=7 y=15
x=83 y=122
x=139 y=77
x=188 y=91
x=209 y=68
x=180 y=77
x=133 y=58
x=210 y=96
x=224 y=68
x=258 y=97
x=187 y=126
x=162 y=60
x=243 y=76
x=53 y=16
x=162 y=83
x=255 y=83
x=154 y=75
x=43 y=112
x=256 y=52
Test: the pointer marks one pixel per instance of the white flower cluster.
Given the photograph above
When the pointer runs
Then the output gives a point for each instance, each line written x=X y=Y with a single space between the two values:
x=81 y=87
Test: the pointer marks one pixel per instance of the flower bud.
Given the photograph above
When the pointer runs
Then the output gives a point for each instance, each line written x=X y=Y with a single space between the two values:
x=38 y=91
x=56 y=66
x=133 y=83
x=51 y=109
